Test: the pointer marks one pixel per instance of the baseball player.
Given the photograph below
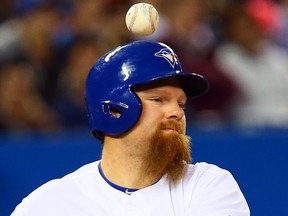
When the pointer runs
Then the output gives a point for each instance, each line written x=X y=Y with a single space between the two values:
x=135 y=96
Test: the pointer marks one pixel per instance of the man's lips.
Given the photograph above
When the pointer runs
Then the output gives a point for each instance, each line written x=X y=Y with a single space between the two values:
x=171 y=129
x=172 y=126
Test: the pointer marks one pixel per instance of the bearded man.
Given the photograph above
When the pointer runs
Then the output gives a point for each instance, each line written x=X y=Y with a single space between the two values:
x=135 y=96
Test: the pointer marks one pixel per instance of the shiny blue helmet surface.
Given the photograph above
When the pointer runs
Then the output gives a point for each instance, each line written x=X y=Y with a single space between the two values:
x=110 y=81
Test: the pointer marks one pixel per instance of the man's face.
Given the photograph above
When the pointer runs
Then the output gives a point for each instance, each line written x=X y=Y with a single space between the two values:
x=161 y=129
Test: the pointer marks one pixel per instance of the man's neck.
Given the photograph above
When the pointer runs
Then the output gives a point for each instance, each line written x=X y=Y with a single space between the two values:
x=124 y=167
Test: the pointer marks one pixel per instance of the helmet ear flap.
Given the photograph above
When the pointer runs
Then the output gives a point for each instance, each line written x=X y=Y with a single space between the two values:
x=117 y=111
x=113 y=117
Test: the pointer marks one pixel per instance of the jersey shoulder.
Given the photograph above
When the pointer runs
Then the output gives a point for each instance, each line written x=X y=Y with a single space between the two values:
x=207 y=186
x=202 y=174
x=56 y=191
x=87 y=169
x=202 y=168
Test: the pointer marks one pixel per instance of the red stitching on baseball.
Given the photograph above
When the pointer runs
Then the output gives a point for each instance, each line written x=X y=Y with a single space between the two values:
x=133 y=19
x=151 y=18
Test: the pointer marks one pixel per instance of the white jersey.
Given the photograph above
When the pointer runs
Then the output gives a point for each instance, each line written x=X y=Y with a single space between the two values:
x=206 y=190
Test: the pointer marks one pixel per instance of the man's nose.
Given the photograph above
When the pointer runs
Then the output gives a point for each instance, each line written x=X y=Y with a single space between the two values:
x=175 y=111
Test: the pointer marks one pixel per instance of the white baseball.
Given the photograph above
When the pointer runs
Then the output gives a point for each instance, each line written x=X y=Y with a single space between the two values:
x=142 y=19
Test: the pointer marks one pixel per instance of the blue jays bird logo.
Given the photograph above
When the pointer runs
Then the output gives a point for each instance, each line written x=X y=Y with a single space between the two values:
x=168 y=55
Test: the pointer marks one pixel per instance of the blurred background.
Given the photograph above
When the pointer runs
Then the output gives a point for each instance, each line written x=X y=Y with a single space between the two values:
x=47 y=48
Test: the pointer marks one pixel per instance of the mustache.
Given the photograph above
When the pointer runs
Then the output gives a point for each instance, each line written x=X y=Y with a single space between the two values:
x=173 y=125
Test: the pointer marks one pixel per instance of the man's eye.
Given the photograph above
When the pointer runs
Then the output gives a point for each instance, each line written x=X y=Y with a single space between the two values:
x=182 y=106
x=156 y=99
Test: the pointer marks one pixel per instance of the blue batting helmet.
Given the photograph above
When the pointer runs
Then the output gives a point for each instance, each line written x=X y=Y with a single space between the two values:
x=109 y=83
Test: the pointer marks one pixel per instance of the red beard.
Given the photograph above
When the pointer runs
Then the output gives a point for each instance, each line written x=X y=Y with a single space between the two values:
x=169 y=152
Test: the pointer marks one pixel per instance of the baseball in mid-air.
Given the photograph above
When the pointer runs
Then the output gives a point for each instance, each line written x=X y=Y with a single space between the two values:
x=142 y=19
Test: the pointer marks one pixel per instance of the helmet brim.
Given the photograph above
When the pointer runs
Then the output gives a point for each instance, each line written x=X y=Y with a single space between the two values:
x=193 y=84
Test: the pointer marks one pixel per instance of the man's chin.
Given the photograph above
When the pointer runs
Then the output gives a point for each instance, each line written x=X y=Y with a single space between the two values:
x=169 y=151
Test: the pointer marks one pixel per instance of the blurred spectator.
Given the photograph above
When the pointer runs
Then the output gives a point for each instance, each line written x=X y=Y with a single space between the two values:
x=280 y=37
x=259 y=68
x=266 y=14
x=272 y=18
x=114 y=31
x=70 y=101
x=22 y=107
x=29 y=36
x=6 y=9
